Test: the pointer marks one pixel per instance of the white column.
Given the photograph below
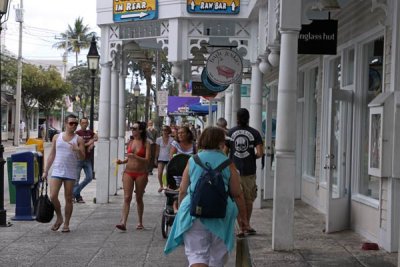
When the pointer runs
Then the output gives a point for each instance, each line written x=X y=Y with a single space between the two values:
x=228 y=106
x=121 y=123
x=103 y=145
x=284 y=182
x=236 y=103
x=256 y=98
x=256 y=122
x=114 y=126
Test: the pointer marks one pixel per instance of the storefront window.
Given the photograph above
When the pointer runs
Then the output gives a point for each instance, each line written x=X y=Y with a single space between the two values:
x=373 y=52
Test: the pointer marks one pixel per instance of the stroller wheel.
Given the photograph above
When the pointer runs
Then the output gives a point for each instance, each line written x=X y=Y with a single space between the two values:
x=164 y=225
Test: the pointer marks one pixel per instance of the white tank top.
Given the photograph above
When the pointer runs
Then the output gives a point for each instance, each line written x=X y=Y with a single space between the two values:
x=66 y=161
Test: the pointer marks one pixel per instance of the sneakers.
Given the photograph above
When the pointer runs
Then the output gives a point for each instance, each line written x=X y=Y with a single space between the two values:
x=79 y=200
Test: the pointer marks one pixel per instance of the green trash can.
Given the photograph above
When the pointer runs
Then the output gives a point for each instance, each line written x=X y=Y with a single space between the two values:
x=11 y=187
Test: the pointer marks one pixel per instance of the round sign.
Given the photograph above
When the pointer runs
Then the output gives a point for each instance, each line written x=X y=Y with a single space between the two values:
x=210 y=84
x=224 y=66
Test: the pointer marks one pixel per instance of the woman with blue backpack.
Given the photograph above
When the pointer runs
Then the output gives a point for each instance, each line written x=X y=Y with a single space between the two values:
x=205 y=221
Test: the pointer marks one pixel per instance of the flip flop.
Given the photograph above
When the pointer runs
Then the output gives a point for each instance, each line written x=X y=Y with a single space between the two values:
x=121 y=227
x=140 y=227
x=251 y=231
x=65 y=230
x=240 y=235
x=56 y=226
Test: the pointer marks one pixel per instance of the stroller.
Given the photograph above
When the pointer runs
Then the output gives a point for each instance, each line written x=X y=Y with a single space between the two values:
x=175 y=169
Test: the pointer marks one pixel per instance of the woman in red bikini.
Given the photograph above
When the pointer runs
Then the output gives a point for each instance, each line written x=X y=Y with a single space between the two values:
x=135 y=174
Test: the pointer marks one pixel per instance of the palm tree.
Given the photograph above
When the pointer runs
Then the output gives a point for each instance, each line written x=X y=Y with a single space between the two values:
x=75 y=38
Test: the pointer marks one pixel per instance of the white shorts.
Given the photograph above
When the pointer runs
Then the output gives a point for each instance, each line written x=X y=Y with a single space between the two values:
x=202 y=246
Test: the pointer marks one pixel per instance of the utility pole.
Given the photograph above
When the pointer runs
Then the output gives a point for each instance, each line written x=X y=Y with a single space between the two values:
x=19 y=12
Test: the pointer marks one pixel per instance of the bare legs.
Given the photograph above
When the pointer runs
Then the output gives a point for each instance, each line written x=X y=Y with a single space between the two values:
x=55 y=186
x=129 y=184
x=160 y=169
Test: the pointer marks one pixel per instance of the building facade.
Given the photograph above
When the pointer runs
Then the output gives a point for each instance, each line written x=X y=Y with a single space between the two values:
x=337 y=116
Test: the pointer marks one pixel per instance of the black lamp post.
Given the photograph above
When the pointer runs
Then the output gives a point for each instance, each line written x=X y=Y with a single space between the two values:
x=136 y=92
x=3 y=212
x=93 y=58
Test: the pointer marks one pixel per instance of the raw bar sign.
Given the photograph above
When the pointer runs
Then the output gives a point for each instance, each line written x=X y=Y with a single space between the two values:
x=318 y=38
x=227 y=7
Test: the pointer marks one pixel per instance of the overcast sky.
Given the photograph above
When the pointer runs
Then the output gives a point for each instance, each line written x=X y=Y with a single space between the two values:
x=44 y=20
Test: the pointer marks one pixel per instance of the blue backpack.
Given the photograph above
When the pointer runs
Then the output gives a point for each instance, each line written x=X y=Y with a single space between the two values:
x=209 y=198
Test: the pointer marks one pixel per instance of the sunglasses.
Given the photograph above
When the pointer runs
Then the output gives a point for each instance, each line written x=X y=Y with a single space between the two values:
x=71 y=123
x=134 y=128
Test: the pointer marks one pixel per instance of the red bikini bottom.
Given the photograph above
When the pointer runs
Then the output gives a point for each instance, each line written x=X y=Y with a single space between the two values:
x=135 y=175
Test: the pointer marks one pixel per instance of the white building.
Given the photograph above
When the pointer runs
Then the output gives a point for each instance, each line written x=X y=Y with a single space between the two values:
x=338 y=128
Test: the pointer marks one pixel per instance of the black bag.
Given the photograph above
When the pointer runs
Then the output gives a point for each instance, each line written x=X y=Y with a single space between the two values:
x=209 y=198
x=44 y=208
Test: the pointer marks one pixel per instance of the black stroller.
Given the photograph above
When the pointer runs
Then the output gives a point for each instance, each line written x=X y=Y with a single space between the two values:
x=174 y=172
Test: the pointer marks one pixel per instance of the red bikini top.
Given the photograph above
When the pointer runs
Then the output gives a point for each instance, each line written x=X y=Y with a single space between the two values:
x=140 y=153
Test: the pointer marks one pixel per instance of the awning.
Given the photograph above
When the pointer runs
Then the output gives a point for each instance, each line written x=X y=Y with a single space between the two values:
x=201 y=109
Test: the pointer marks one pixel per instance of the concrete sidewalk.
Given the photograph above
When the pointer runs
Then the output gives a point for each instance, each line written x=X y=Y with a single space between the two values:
x=94 y=241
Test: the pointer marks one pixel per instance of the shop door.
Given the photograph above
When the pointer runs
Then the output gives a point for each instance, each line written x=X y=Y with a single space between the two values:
x=337 y=160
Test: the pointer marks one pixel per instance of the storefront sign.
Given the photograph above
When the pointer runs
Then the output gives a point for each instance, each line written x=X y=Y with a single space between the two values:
x=224 y=66
x=134 y=10
x=318 y=38
x=198 y=89
x=213 y=6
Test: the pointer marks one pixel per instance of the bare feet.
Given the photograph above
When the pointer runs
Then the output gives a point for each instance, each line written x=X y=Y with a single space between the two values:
x=139 y=227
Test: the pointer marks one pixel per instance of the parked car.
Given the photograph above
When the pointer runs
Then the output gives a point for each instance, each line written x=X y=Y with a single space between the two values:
x=51 y=132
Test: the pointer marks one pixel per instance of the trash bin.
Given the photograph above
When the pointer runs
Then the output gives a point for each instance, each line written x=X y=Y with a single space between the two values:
x=11 y=187
x=26 y=170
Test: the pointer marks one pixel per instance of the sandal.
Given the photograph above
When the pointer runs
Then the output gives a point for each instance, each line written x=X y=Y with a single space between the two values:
x=65 y=229
x=56 y=226
x=140 y=227
x=240 y=235
x=251 y=231
x=121 y=227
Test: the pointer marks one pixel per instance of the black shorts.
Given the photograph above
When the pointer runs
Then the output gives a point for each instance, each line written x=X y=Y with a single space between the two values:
x=163 y=161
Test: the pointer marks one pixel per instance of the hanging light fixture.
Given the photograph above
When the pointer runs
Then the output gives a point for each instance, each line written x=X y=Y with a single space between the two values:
x=326 y=5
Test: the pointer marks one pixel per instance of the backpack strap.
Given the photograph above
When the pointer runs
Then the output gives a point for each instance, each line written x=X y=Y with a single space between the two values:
x=223 y=165
x=196 y=159
x=220 y=167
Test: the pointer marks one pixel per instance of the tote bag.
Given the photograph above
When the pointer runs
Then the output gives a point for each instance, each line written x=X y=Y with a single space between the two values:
x=44 y=207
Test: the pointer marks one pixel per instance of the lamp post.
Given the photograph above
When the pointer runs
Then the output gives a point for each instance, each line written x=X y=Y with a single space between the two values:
x=3 y=212
x=136 y=92
x=150 y=106
x=93 y=58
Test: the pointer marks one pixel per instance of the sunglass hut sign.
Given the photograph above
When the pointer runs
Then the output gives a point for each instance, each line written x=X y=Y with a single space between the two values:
x=319 y=37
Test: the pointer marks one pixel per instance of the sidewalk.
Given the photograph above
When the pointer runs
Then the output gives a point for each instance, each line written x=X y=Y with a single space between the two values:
x=94 y=241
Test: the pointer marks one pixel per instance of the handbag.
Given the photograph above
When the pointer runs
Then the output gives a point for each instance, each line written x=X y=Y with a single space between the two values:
x=44 y=207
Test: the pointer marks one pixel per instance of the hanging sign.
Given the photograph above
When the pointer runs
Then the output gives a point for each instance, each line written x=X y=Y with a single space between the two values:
x=224 y=66
x=210 y=85
x=318 y=38
x=213 y=6
x=198 y=89
x=134 y=10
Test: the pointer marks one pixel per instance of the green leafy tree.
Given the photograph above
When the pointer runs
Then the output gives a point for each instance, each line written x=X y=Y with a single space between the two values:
x=81 y=84
x=50 y=93
x=78 y=37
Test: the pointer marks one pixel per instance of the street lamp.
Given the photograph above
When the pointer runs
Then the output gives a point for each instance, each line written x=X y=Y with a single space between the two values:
x=150 y=106
x=3 y=212
x=136 y=92
x=93 y=58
